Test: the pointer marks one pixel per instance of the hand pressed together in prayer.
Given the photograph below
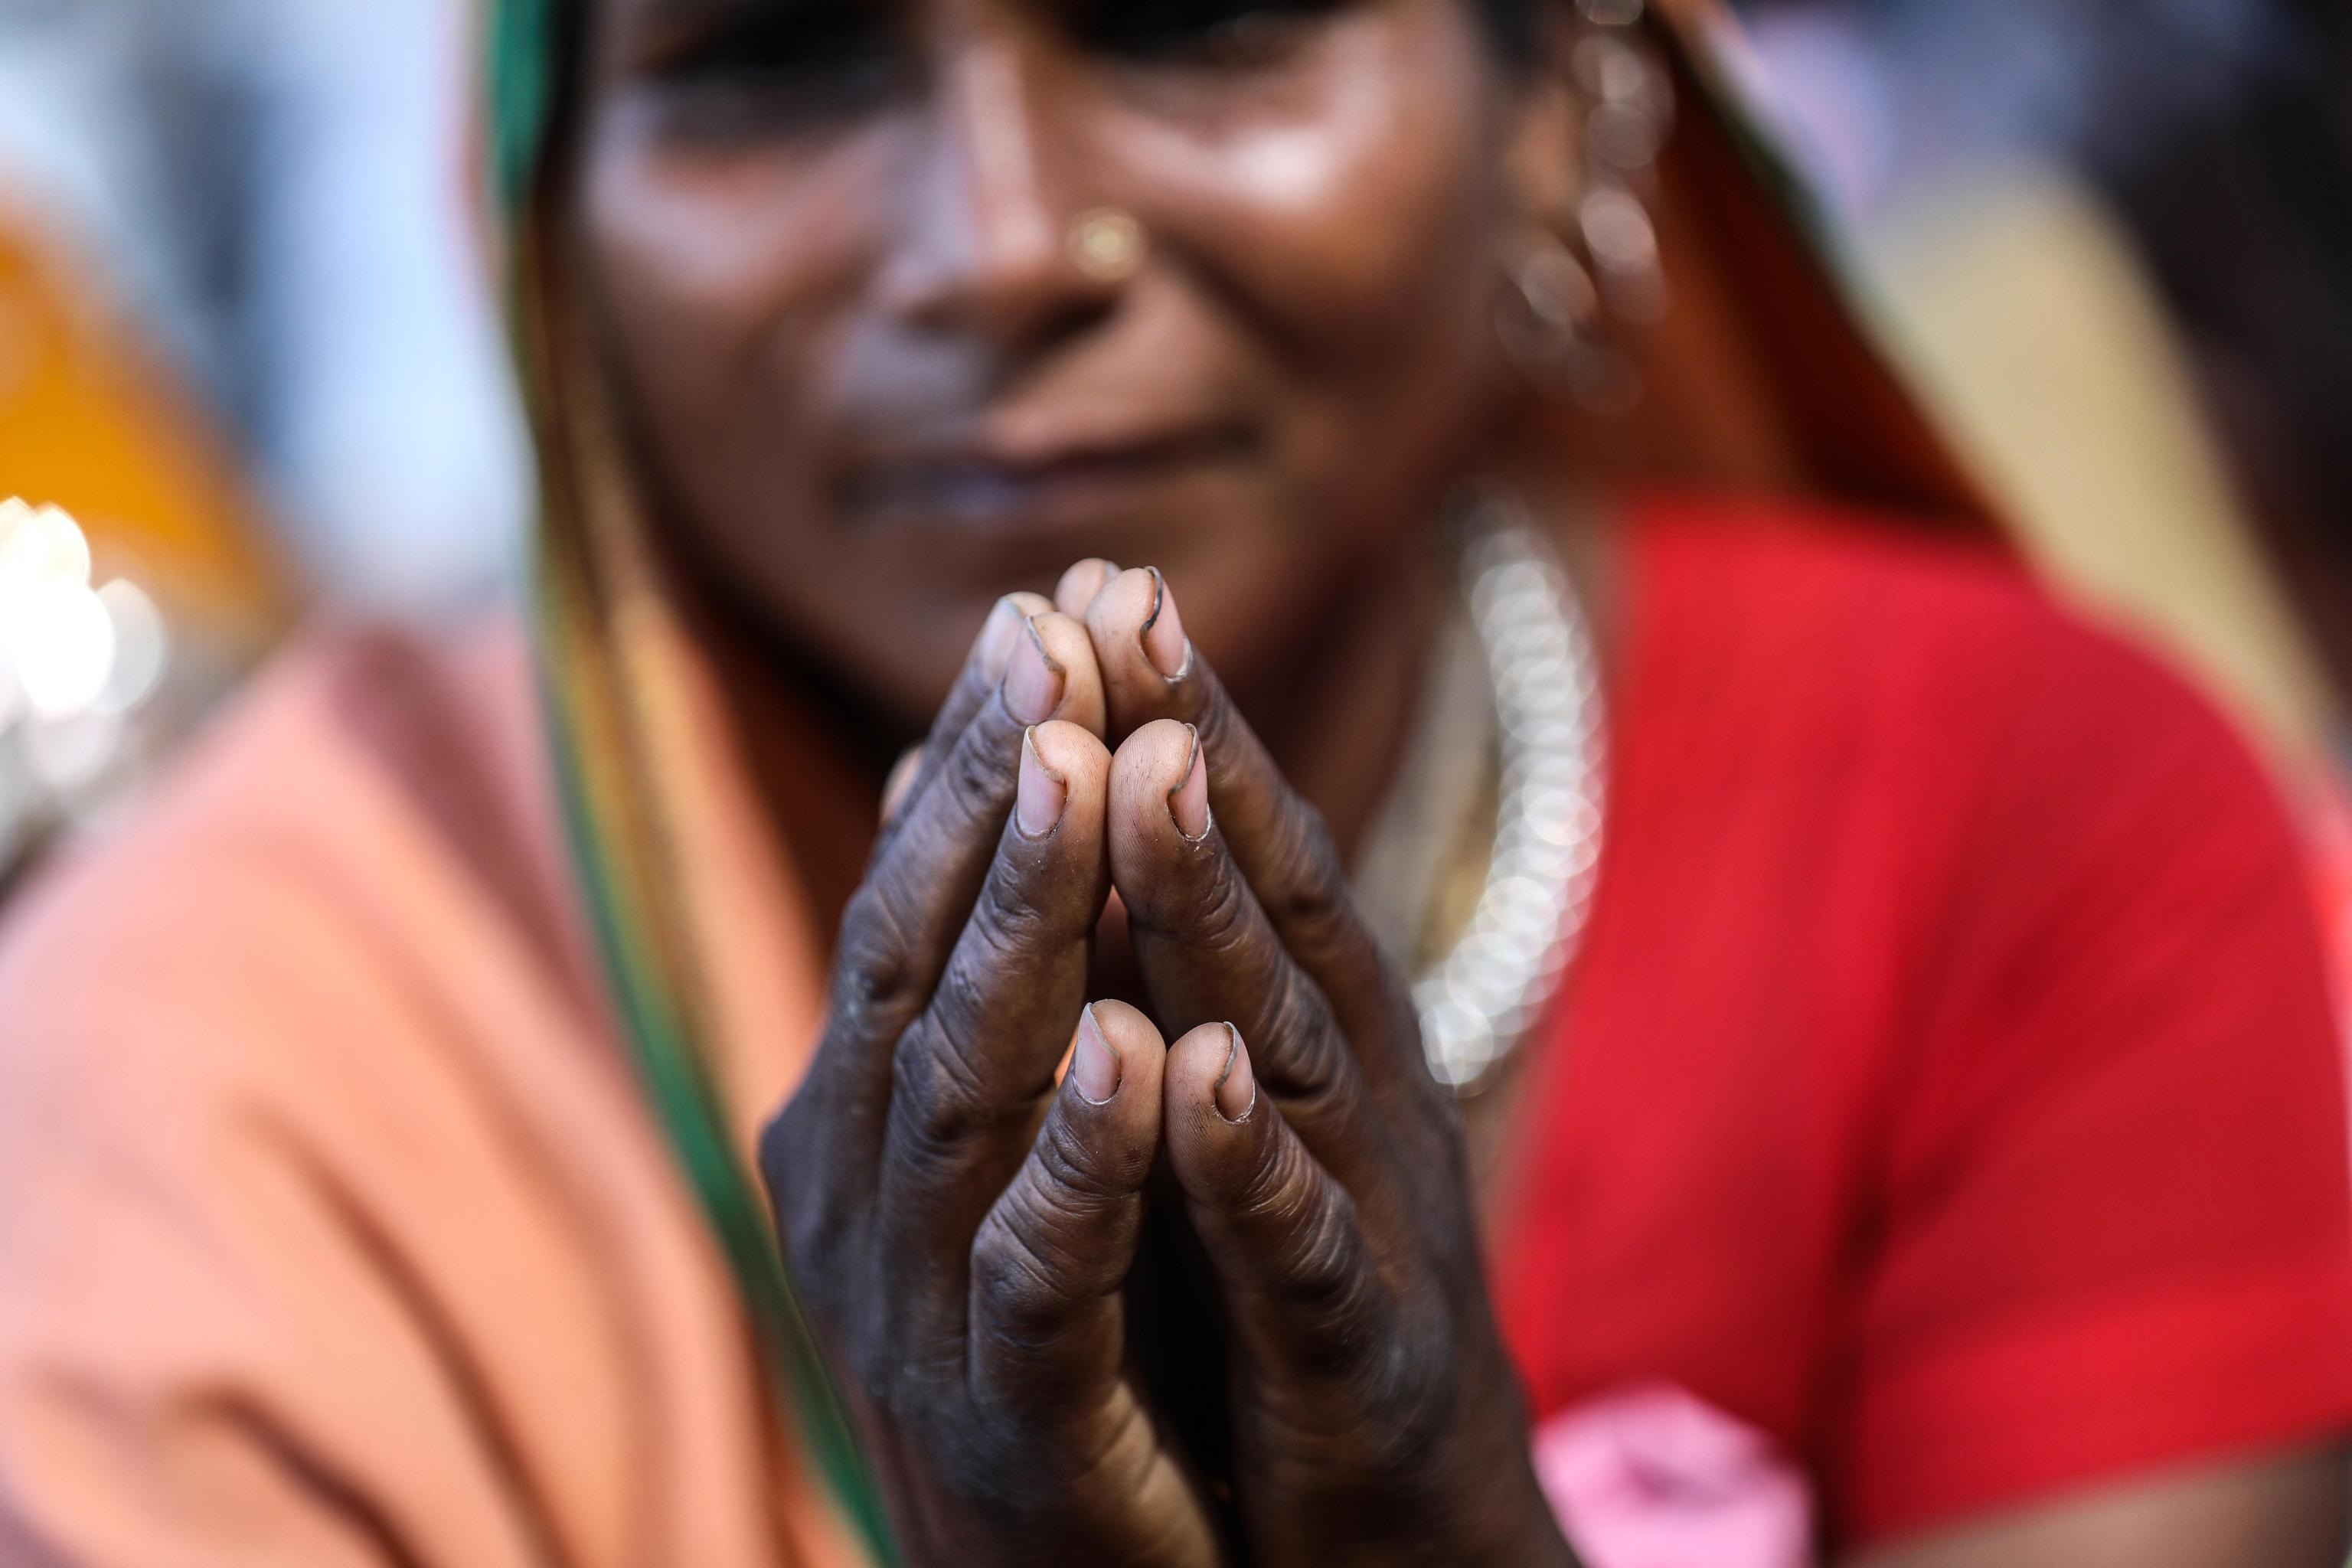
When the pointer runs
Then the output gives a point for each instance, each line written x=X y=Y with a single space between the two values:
x=965 y=1229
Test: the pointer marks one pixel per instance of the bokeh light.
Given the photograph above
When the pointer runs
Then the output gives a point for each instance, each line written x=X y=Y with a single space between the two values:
x=74 y=659
x=55 y=633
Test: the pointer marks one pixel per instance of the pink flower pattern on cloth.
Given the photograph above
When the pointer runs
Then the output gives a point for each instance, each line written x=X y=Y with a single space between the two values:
x=1651 y=1476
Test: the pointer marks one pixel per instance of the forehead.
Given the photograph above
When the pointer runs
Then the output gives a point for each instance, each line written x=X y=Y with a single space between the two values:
x=1505 y=16
x=1505 y=26
x=665 y=13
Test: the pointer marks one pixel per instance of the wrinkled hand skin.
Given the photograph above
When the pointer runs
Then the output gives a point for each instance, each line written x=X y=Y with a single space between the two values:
x=1375 y=1418
x=963 y=1229
x=958 y=1225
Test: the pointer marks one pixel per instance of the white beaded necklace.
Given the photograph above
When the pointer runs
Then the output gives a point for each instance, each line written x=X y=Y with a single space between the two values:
x=1480 y=999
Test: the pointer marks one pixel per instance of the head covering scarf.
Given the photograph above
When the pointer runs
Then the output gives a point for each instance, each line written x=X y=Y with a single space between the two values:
x=611 y=677
x=613 y=652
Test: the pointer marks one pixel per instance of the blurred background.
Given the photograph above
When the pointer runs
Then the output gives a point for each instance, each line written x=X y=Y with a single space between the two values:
x=251 y=365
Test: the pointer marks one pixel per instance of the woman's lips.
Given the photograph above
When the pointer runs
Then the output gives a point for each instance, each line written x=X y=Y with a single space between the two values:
x=1075 y=484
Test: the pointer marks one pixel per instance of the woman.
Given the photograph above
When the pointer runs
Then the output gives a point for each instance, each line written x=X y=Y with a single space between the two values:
x=1942 y=1113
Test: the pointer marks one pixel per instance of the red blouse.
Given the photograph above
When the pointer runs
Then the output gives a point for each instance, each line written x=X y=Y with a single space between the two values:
x=1948 y=1087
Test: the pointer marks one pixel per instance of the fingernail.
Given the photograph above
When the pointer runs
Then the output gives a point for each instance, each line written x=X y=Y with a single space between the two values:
x=1188 y=803
x=1082 y=582
x=1038 y=799
x=995 y=642
x=1093 y=1063
x=902 y=779
x=1033 y=681
x=1236 y=1090
x=1163 y=631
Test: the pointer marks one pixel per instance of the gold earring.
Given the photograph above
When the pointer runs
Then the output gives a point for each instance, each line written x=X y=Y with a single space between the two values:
x=1108 y=244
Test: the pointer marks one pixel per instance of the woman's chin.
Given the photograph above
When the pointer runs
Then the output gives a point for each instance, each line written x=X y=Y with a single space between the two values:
x=989 y=536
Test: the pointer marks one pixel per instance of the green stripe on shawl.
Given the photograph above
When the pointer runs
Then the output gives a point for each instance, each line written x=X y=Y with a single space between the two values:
x=522 y=93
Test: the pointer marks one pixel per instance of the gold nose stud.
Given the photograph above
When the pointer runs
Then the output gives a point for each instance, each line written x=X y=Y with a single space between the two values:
x=1108 y=244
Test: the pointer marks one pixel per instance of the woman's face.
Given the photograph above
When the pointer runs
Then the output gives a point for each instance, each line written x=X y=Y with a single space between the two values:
x=829 y=244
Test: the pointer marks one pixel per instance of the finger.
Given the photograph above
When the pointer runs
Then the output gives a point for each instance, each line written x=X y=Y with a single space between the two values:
x=972 y=1076
x=928 y=868
x=1049 y=1259
x=1080 y=583
x=1207 y=952
x=1302 y=1285
x=1047 y=1323
x=927 y=872
x=1151 y=672
x=1146 y=656
x=976 y=682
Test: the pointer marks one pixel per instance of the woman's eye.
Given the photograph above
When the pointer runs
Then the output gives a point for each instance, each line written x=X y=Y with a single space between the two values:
x=1207 y=31
x=767 y=67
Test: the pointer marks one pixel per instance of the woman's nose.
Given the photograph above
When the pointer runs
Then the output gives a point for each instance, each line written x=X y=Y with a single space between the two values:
x=983 y=243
